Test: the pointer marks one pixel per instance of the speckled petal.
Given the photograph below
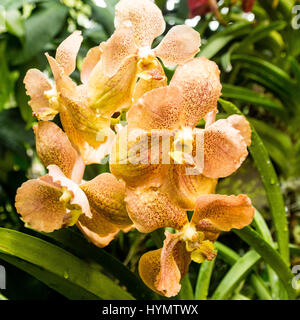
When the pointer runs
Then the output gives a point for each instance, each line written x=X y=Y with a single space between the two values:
x=106 y=196
x=151 y=209
x=36 y=83
x=54 y=147
x=118 y=47
x=240 y=123
x=66 y=52
x=185 y=188
x=89 y=62
x=179 y=45
x=163 y=269
x=175 y=261
x=199 y=80
x=107 y=95
x=90 y=134
x=37 y=201
x=224 y=149
x=159 y=108
x=146 y=18
x=97 y=229
x=47 y=205
x=136 y=157
x=222 y=213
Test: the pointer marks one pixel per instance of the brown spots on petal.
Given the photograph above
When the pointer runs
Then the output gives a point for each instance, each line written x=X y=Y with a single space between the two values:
x=199 y=80
x=150 y=209
x=184 y=188
x=37 y=201
x=179 y=45
x=222 y=213
x=146 y=19
x=118 y=47
x=224 y=149
x=97 y=229
x=67 y=51
x=36 y=83
x=106 y=196
x=54 y=147
x=159 y=108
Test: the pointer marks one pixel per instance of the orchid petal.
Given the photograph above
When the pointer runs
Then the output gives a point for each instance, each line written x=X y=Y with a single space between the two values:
x=97 y=229
x=199 y=80
x=146 y=18
x=185 y=188
x=179 y=45
x=48 y=203
x=107 y=95
x=240 y=123
x=66 y=52
x=54 y=147
x=89 y=62
x=222 y=213
x=137 y=156
x=36 y=83
x=119 y=46
x=175 y=261
x=224 y=149
x=151 y=209
x=157 y=109
x=106 y=196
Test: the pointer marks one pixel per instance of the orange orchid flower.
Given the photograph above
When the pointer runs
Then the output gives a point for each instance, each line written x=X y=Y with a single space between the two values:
x=86 y=109
x=109 y=74
x=162 y=269
x=157 y=191
x=138 y=23
x=60 y=198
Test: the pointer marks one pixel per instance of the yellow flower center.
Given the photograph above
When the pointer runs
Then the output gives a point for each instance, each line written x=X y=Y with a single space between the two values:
x=199 y=248
x=183 y=146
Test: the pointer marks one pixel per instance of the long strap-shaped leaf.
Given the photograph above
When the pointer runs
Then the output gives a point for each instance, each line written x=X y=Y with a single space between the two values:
x=61 y=263
x=79 y=246
x=203 y=280
x=271 y=185
x=270 y=256
x=237 y=273
x=59 y=284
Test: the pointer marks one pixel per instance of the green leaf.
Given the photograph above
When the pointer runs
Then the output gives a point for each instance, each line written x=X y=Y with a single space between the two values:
x=270 y=256
x=104 y=16
x=78 y=245
x=271 y=185
x=260 y=288
x=15 y=23
x=59 y=284
x=237 y=273
x=203 y=280
x=40 y=29
x=218 y=41
x=261 y=31
x=249 y=96
x=186 y=291
x=61 y=263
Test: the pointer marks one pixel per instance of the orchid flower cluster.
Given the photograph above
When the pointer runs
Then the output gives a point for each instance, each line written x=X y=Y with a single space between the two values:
x=162 y=165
